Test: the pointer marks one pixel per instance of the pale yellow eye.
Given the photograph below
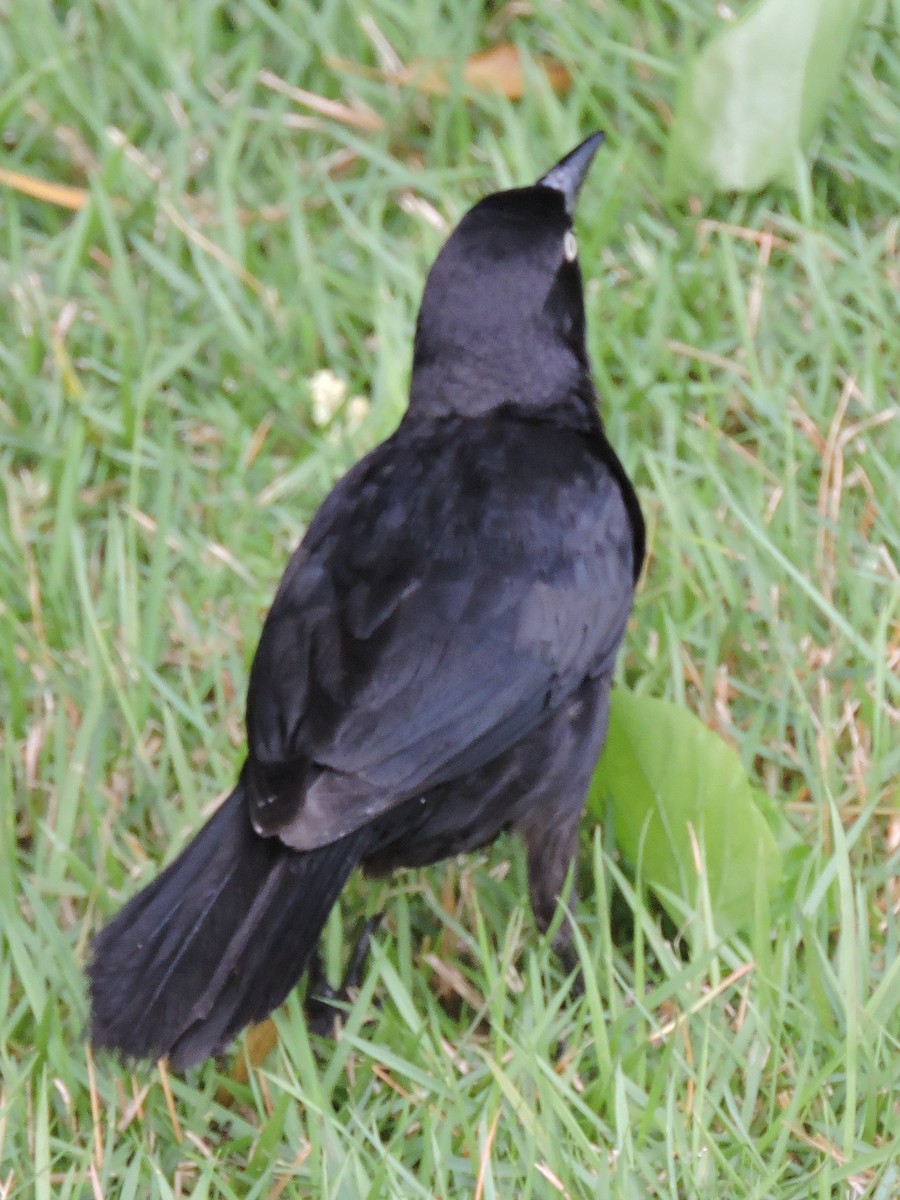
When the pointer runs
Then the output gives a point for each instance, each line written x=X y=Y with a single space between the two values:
x=570 y=246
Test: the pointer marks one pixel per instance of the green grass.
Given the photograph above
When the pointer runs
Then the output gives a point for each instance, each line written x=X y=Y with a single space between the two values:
x=159 y=459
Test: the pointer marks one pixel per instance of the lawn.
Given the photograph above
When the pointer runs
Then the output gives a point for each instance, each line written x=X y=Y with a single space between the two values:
x=207 y=245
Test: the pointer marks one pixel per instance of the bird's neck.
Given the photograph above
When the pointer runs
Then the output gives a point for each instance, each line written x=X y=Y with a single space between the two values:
x=473 y=386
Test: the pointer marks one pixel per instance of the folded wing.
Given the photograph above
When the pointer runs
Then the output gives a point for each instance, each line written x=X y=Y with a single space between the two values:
x=376 y=680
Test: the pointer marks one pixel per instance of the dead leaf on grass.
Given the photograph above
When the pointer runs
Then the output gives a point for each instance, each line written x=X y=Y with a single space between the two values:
x=500 y=69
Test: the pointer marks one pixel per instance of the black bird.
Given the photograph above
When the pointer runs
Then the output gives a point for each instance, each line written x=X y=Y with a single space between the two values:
x=436 y=665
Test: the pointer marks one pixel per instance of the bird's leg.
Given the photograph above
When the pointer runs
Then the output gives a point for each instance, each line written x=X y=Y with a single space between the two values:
x=569 y=961
x=324 y=1005
x=551 y=853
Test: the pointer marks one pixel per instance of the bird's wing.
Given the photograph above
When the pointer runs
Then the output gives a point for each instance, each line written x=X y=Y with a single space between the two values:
x=371 y=690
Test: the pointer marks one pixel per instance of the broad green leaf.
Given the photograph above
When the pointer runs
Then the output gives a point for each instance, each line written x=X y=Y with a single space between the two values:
x=667 y=776
x=755 y=95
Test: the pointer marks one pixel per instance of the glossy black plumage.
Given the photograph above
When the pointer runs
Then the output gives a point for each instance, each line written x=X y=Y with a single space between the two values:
x=436 y=664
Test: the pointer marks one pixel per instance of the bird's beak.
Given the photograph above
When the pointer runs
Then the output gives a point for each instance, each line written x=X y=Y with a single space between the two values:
x=569 y=173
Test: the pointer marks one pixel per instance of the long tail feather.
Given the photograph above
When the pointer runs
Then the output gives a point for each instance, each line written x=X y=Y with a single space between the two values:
x=215 y=942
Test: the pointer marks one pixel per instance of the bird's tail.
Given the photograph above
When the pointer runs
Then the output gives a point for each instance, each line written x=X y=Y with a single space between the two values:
x=215 y=942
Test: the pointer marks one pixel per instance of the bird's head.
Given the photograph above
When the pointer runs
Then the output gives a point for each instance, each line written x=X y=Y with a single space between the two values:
x=502 y=317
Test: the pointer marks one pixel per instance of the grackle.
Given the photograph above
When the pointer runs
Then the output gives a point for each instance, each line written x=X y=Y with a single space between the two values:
x=436 y=665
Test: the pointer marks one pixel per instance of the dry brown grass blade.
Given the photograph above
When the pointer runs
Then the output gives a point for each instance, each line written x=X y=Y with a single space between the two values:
x=95 y=1108
x=553 y=1179
x=484 y=1164
x=268 y=294
x=706 y=356
x=358 y=118
x=60 y=194
x=163 y=1068
x=452 y=979
x=659 y=1035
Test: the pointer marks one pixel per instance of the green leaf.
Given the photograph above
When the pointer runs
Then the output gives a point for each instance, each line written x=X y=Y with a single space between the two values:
x=755 y=95
x=666 y=776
